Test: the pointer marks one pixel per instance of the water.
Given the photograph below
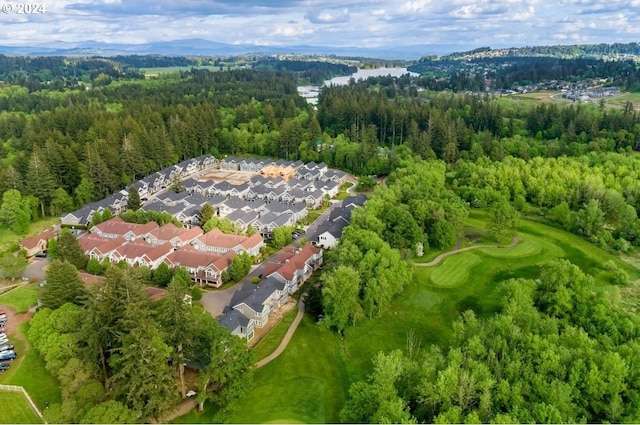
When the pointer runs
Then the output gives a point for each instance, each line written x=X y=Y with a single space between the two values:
x=310 y=93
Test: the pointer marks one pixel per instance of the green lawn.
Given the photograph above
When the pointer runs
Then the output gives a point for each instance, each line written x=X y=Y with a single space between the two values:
x=9 y=240
x=21 y=298
x=28 y=371
x=309 y=382
x=273 y=339
x=454 y=271
x=19 y=411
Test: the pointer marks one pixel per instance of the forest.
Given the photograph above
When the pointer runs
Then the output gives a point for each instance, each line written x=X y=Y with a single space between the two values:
x=556 y=348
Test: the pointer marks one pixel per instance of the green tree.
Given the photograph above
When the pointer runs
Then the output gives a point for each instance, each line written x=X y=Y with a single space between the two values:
x=63 y=285
x=176 y=319
x=84 y=192
x=378 y=401
x=69 y=249
x=227 y=374
x=205 y=214
x=340 y=291
x=110 y=412
x=133 y=200
x=503 y=220
x=175 y=184
x=282 y=236
x=141 y=378
x=40 y=181
x=401 y=230
x=15 y=212
x=590 y=219
x=13 y=265
x=443 y=235
x=94 y=267
x=162 y=275
x=240 y=267
x=61 y=202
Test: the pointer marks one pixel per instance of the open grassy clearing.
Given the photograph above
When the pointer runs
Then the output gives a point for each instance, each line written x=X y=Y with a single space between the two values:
x=21 y=298
x=29 y=371
x=9 y=240
x=454 y=271
x=620 y=101
x=269 y=344
x=15 y=409
x=310 y=380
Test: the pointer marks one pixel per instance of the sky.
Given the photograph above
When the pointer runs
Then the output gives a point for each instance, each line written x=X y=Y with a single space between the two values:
x=462 y=24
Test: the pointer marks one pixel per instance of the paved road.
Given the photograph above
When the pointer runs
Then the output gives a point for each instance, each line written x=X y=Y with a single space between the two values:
x=216 y=301
x=36 y=268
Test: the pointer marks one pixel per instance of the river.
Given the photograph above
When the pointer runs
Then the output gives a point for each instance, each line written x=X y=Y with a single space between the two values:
x=310 y=93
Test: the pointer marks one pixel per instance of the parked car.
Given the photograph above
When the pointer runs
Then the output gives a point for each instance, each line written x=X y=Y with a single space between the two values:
x=3 y=315
x=191 y=393
x=8 y=355
x=6 y=346
x=4 y=366
x=42 y=254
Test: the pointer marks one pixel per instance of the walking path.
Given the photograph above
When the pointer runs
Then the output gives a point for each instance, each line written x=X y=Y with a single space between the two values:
x=287 y=336
x=191 y=403
x=457 y=249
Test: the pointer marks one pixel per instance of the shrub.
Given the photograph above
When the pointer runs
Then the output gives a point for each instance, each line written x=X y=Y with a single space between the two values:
x=196 y=293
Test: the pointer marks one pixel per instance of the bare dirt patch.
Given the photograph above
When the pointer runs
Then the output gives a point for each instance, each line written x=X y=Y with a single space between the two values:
x=260 y=333
x=14 y=319
x=233 y=177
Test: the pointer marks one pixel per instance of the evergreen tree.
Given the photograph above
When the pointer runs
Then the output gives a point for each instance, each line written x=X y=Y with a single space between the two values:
x=205 y=214
x=13 y=265
x=40 y=181
x=63 y=285
x=133 y=200
x=61 y=202
x=15 y=212
x=84 y=192
x=69 y=249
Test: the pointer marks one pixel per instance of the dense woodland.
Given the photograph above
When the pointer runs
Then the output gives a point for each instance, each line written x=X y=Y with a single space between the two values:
x=556 y=350
x=109 y=346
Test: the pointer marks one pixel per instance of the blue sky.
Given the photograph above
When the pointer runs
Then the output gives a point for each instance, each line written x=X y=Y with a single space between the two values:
x=462 y=24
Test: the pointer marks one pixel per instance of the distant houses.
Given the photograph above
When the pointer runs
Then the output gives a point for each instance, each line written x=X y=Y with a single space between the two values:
x=277 y=186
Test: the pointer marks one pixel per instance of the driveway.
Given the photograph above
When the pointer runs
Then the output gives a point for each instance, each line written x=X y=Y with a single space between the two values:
x=36 y=269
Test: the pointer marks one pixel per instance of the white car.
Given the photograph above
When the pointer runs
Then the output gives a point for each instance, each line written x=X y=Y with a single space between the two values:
x=191 y=393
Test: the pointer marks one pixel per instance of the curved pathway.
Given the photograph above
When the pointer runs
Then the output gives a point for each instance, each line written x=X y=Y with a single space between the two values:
x=287 y=336
x=457 y=249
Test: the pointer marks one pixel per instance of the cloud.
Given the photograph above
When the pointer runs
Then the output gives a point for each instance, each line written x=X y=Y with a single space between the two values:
x=389 y=23
x=324 y=16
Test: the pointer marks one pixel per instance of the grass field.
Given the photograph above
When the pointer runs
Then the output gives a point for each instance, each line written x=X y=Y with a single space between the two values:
x=454 y=270
x=28 y=371
x=620 y=101
x=273 y=339
x=309 y=382
x=15 y=409
x=8 y=239
x=21 y=298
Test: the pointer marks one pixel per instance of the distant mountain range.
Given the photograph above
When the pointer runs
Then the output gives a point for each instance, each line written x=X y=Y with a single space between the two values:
x=202 y=47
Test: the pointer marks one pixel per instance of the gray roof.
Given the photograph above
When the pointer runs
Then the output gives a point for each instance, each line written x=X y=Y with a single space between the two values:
x=336 y=229
x=171 y=197
x=261 y=293
x=344 y=212
x=358 y=200
x=233 y=320
x=197 y=199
